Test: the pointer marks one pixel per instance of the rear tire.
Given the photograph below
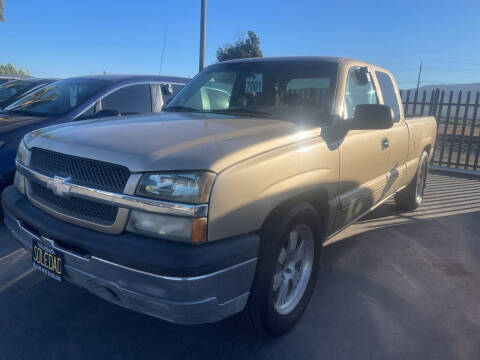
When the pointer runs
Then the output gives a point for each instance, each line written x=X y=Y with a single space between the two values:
x=286 y=275
x=411 y=197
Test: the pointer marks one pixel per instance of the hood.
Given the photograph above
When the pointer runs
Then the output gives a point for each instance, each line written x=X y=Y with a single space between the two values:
x=9 y=122
x=170 y=141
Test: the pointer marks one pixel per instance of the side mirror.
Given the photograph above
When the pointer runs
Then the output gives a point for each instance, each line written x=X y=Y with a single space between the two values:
x=362 y=76
x=371 y=117
x=167 y=89
x=106 y=113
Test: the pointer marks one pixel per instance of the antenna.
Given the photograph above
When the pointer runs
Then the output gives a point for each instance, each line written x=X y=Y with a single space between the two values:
x=163 y=50
x=419 y=75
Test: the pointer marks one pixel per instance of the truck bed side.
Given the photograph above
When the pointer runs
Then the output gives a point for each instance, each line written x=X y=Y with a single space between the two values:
x=422 y=133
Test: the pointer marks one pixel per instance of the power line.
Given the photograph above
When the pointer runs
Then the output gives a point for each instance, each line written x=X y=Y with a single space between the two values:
x=454 y=62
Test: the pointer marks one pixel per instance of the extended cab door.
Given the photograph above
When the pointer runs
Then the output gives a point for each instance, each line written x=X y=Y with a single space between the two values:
x=398 y=136
x=363 y=153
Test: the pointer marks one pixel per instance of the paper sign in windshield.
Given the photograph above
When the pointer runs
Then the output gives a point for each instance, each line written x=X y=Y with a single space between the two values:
x=254 y=84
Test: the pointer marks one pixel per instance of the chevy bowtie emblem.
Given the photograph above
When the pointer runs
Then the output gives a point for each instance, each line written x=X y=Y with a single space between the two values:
x=59 y=185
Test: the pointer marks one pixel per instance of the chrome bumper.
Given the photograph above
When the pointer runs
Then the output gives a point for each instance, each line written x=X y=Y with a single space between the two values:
x=182 y=300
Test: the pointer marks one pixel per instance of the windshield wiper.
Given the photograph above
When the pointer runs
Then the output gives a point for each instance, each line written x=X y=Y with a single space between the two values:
x=233 y=111
x=181 y=108
x=242 y=111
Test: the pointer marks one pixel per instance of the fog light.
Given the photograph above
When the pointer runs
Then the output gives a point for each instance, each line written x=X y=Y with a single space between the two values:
x=192 y=230
x=19 y=182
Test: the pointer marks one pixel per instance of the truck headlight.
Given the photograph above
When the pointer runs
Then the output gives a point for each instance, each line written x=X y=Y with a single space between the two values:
x=22 y=153
x=191 y=187
x=183 y=187
x=191 y=230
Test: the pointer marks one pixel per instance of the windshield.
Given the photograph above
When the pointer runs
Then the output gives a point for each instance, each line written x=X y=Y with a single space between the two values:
x=59 y=97
x=292 y=90
x=12 y=88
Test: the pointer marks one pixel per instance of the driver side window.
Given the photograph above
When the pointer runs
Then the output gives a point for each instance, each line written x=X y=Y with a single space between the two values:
x=129 y=100
x=360 y=90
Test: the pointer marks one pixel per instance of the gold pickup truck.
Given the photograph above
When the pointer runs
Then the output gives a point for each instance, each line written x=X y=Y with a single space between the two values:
x=220 y=204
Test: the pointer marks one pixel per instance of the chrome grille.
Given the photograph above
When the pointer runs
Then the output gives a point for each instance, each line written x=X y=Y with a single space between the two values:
x=81 y=171
x=91 y=173
x=98 y=213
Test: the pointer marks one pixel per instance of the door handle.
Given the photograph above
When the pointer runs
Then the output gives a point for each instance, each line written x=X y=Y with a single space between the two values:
x=385 y=144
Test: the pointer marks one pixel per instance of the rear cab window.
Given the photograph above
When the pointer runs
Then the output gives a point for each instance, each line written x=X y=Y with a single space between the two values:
x=388 y=92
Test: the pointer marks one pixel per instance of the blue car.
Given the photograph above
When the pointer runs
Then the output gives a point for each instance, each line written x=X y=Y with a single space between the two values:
x=76 y=99
x=13 y=90
x=6 y=78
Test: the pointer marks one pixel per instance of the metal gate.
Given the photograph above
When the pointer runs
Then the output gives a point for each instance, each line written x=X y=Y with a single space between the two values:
x=458 y=131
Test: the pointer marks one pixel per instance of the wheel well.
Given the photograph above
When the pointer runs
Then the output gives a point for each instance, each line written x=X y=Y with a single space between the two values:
x=317 y=198
x=428 y=148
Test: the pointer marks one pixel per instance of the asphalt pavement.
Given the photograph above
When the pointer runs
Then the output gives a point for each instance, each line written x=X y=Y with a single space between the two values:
x=395 y=285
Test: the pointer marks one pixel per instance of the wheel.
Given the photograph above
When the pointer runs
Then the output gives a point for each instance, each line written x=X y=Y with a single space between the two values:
x=287 y=271
x=411 y=197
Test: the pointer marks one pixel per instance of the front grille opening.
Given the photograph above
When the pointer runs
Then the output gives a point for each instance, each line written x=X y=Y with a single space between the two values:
x=82 y=209
x=31 y=229
x=72 y=248
x=86 y=172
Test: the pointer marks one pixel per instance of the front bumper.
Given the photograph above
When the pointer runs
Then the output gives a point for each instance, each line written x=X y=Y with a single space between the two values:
x=212 y=290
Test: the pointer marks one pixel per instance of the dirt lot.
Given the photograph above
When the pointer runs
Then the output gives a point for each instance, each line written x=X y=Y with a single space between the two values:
x=394 y=286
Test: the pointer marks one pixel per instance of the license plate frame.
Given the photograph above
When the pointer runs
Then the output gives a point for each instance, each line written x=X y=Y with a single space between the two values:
x=47 y=260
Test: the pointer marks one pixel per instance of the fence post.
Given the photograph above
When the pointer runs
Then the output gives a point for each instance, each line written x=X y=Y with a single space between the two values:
x=407 y=103
x=472 y=131
x=415 y=99
x=434 y=103
x=424 y=97
x=454 y=130
x=447 y=120
x=434 y=111
x=465 y=117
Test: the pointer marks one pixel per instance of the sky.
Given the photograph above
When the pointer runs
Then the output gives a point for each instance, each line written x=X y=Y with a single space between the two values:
x=58 y=38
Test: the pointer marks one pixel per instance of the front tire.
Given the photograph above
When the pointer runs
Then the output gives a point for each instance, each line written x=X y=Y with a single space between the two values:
x=287 y=271
x=411 y=197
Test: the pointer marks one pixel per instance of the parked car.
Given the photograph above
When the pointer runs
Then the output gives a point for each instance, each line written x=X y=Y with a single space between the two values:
x=13 y=90
x=80 y=98
x=7 y=78
x=220 y=204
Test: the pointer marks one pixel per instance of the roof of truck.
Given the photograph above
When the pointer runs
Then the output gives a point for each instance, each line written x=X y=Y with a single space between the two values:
x=289 y=58
x=333 y=59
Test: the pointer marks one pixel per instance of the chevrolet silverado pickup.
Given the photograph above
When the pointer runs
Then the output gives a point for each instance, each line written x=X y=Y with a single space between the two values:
x=220 y=204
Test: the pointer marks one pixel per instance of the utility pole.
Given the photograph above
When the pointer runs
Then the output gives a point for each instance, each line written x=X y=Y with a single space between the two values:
x=419 y=76
x=202 y=34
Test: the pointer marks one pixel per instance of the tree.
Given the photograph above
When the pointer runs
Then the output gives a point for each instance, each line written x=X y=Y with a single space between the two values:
x=10 y=69
x=2 y=11
x=242 y=48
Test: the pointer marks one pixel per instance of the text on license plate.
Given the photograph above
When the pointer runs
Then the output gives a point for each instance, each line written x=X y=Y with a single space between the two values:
x=47 y=260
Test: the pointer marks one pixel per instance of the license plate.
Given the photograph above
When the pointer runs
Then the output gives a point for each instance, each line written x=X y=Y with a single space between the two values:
x=47 y=260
